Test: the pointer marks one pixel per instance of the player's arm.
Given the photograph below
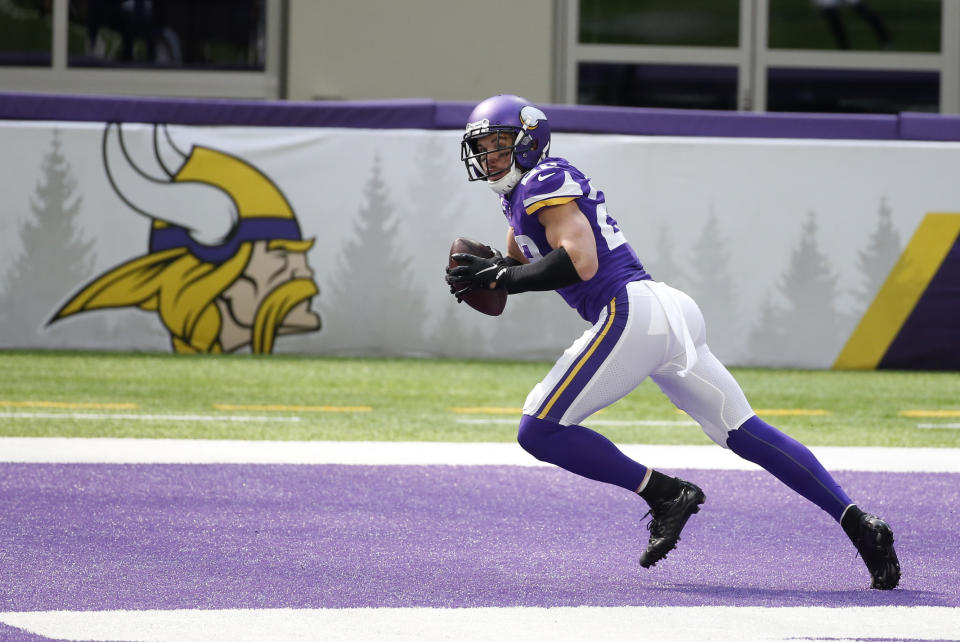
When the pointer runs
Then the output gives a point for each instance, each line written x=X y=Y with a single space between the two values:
x=573 y=259
x=513 y=249
x=568 y=228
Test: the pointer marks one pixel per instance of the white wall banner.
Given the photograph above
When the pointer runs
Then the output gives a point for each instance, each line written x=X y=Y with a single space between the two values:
x=334 y=241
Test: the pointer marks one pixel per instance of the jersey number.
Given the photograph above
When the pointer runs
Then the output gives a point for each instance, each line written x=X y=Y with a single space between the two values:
x=528 y=247
x=607 y=224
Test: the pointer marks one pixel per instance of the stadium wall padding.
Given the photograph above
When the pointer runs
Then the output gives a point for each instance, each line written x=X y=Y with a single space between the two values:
x=796 y=233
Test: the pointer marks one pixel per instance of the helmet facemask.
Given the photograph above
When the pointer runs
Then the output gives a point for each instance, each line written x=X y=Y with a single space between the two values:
x=476 y=159
x=524 y=134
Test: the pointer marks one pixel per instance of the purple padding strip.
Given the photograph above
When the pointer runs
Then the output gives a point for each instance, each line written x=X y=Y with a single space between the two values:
x=431 y=114
x=673 y=122
x=914 y=126
x=394 y=114
x=682 y=122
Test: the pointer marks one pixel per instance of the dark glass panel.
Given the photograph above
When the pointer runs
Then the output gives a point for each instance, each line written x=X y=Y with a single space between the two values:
x=26 y=28
x=864 y=25
x=852 y=91
x=178 y=34
x=675 y=86
x=703 y=23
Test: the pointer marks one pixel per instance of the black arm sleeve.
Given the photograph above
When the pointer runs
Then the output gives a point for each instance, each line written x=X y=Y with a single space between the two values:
x=553 y=271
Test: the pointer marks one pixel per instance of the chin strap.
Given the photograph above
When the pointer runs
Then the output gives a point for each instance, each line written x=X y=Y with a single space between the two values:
x=507 y=182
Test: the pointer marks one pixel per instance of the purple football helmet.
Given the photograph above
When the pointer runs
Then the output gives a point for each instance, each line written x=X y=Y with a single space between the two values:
x=526 y=133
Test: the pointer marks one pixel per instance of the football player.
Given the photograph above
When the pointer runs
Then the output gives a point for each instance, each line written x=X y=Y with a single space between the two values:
x=561 y=237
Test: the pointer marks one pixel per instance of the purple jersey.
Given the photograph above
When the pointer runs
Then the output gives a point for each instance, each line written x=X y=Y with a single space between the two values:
x=554 y=182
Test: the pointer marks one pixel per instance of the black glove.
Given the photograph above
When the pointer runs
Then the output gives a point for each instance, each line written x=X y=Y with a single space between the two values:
x=475 y=273
x=552 y=272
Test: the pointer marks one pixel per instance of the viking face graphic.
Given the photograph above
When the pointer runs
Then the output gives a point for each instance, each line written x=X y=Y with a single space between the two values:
x=227 y=263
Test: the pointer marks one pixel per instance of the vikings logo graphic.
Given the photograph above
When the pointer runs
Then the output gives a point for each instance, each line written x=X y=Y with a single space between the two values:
x=227 y=264
x=530 y=116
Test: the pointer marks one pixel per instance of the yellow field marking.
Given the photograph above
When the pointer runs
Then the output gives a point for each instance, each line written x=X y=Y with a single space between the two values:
x=799 y=412
x=67 y=404
x=487 y=411
x=930 y=413
x=283 y=408
x=784 y=412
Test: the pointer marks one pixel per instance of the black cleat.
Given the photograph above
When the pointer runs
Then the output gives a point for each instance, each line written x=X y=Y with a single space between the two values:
x=668 y=520
x=875 y=543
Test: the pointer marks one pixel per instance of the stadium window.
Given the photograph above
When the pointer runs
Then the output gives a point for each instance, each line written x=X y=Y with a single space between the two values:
x=144 y=47
x=671 y=86
x=867 y=56
x=690 y=23
x=857 y=56
x=856 y=25
x=852 y=90
x=654 y=53
x=180 y=34
x=26 y=28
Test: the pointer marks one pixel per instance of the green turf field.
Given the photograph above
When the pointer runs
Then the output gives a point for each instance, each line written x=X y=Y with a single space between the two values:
x=51 y=393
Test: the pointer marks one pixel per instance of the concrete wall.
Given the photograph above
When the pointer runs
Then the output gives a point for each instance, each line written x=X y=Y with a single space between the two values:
x=408 y=49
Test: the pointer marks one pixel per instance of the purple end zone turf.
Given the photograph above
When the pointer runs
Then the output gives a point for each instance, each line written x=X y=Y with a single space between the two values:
x=85 y=537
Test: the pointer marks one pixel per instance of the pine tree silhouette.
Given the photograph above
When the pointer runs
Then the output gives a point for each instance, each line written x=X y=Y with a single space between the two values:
x=875 y=261
x=435 y=195
x=712 y=287
x=374 y=305
x=454 y=330
x=666 y=268
x=810 y=321
x=539 y=325
x=767 y=337
x=53 y=257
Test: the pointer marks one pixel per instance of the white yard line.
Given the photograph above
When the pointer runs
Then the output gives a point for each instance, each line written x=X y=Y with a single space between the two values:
x=678 y=624
x=388 y=453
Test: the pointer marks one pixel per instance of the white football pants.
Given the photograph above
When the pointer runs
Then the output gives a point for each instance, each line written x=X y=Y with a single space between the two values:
x=648 y=330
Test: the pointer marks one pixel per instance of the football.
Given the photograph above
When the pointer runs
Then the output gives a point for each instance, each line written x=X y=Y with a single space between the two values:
x=490 y=302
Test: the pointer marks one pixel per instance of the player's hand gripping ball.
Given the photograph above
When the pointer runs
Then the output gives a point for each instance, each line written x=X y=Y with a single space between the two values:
x=467 y=274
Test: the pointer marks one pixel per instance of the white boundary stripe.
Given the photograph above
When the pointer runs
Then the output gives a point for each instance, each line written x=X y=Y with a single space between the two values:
x=142 y=417
x=593 y=422
x=679 y=624
x=951 y=426
x=387 y=453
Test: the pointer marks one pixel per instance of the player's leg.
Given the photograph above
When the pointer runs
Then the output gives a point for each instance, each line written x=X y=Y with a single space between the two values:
x=711 y=395
x=605 y=364
x=588 y=376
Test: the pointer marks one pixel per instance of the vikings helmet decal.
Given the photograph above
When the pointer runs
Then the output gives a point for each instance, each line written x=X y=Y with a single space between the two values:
x=531 y=116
